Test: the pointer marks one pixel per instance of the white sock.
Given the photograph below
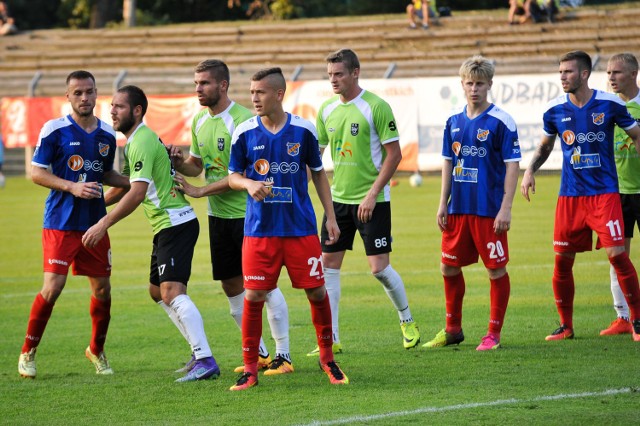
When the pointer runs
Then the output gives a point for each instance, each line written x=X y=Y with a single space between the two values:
x=236 y=306
x=332 y=284
x=278 y=316
x=174 y=318
x=394 y=287
x=188 y=315
x=619 y=302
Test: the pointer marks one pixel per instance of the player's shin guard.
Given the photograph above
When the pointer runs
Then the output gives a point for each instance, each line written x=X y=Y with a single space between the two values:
x=189 y=316
x=321 y=318
x=278 y=317
x=38 y=319
x=628 y=279
x=251 y=332
x=100 y=311
x=564 y=289
x=500 y=291
x=454 y=289
x=394 y=287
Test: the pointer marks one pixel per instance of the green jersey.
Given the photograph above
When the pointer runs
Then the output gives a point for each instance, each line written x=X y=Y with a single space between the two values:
x=627 y=159
x=355 y=133
x=211 y=143
x=146 y=159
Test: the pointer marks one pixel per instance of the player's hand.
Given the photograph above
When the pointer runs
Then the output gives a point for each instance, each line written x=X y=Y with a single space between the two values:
x=502 y=222
x=177 y=158
x=528 y=181
x=259 y=190
x=86 y=190
x=441 y=218
x=365 y=209
x=92 y=237
x=333 y=230
x=185 y=187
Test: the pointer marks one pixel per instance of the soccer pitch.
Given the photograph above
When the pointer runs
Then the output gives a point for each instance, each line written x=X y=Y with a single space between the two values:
x=589 y=380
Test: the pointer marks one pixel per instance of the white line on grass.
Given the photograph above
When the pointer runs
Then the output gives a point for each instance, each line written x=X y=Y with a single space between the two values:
x=456 y=407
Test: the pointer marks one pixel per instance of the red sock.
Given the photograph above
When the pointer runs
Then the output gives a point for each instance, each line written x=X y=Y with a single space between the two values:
x=321 y=318
x=500 y=290
x=628 y=279
x=454 y=288
x=564 y=288
x=38 y=319
x=100 y=311
x=251 y=332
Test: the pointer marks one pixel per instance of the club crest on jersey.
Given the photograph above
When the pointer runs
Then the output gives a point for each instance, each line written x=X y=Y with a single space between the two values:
x=483 y=135
x=598 y=118
x=103 y=149
x=220 y=144
x=355 y=127
x=293 y=148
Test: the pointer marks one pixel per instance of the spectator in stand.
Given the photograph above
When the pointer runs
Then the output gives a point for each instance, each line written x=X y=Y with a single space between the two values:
x=537 y=10
x=7 y=23
x=421 y=10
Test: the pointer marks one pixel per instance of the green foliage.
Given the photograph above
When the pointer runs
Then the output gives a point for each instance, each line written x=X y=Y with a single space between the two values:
x=398 y=386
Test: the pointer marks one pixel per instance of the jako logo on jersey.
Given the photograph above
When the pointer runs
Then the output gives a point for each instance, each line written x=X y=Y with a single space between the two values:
x=220 y=144
x=344 y=150
x=258 y=147
x=293 y=148
x=103 y=149
x=566 y=119
x=569 y=137
x=75 y=162
x=261 y=166
x=456 y=147
x=483 y=135
x=284 y=167
x=74 y=144
x=598 y=118
x=355 y=127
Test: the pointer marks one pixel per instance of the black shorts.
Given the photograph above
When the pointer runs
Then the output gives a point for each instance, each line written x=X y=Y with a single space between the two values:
x=630 y=213
x=173 y=253
x=225 y=244
x=376 y=234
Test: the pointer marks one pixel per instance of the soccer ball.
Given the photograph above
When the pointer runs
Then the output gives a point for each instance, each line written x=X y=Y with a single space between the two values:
x=415 y=180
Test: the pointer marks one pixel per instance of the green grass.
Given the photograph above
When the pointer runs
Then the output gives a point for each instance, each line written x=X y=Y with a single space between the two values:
x=402 y=387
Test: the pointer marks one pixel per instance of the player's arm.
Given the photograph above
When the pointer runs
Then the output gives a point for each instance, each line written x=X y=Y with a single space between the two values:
x=539 y=157
x=124 y=208
x=634 y=133
x=258 y=190
x=502 y=223
x=86 y=190
x=389 y=166
x=445 y=192
x=119 y=186
x=323 y=190
x=214 y=188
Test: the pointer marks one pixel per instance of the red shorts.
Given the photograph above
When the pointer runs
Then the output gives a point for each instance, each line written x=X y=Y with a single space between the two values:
x=263 y=258
x=468 y=236
x=577 y=217
x=62 y=248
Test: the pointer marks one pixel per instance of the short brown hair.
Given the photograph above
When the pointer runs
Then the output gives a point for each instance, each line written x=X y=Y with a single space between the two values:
x=346 y=56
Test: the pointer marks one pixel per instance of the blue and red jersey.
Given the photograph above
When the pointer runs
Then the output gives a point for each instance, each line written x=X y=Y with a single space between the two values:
x=478 y=149
x=282 y=160
x=78 y=156
x=586 y=139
